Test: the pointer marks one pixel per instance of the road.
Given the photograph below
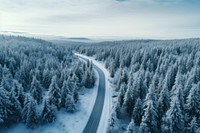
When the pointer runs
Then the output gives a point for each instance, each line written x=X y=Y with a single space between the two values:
x=93 y=122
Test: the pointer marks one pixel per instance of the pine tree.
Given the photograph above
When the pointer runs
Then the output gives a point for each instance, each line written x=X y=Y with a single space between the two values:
x=163 y=102
x=193 y=126
x=87 y=81
x=15 y=109
x=25 y=108
x=193 y=103
x=174 y=120
x=64 y=93
x=48 y=113
x=5 y=103
x=150 y=117
x=54 y=93
x=137 y=112
x=188 y=86
x=75 y=93
x=70 y=105
x=46 y=76
x=121 y=94
x=21 y=95
x=32 y=118
x=36 y=90
x=177 y=90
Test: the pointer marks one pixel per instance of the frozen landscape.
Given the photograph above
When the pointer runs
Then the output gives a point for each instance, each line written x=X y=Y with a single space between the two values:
x=99 y=66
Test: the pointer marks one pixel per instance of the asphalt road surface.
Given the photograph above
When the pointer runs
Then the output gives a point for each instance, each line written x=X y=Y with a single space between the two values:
x=93 y=122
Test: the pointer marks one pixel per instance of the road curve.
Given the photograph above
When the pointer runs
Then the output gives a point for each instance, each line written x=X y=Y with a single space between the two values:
x=93 y=122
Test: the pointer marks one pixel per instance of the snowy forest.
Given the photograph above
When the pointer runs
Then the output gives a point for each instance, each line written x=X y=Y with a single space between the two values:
x=157 y=82
x=37 y=79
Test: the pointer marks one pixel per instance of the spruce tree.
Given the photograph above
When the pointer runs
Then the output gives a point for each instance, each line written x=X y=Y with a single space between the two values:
x=5 y=105
x=48 y=113
x=75 y=93
x=36 y=90
x=192 y=106
x=64 y=92
x=32 y=118
x=54 y=93
x=70 y=105
x=174 y=119
x=150 y=117
x=137 y=112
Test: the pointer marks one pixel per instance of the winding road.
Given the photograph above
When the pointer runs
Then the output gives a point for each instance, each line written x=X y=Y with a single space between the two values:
x=93 y=122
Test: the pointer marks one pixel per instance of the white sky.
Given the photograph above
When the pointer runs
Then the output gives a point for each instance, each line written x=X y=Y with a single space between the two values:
x=103 y=18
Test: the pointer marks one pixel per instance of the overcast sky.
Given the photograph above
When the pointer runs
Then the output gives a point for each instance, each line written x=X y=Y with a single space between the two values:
x=103 y=18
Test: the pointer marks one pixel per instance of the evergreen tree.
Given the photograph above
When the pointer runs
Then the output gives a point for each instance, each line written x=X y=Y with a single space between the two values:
x=193 y=126
x=21 y=95
x=163 y=102
x=87 y=81
x=75 y=93
x=48 y=113
x=193 y=103
x=121 y=94
x=64 y=93
x=177 y=90
x=5 y=105
x=70 y=105
x=150 y=117
x=173 y=122
x=137 y=112
x=46 y=78
x=188 y=86
x=54 y=93
x=25 y=108
x=15 y=109
x=36 y=90
x=32 y=118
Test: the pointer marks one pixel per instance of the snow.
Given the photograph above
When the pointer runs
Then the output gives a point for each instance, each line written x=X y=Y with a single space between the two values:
x=107 y=108
x=65 y=122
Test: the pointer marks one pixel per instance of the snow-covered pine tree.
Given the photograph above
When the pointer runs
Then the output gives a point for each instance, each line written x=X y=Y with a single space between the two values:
x=122 y=94
x=36 y=90
x=15 y=109
x=25 y=108
x=48 y=112
x=5 y=105
x=70 y=105
x=137 y=112
x=193 y=126
x=173 y=122
x=54 y=93
x=32 y=117
x=150 y=118
x=192 y=106
x=75 y=92
x=46 y=76
x=64 y=92
x=163 y=101
x=177 y=89
x=21 y=95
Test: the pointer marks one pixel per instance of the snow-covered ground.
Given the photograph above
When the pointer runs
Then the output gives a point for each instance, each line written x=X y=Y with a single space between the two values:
x=107 y=108
x=65 y=122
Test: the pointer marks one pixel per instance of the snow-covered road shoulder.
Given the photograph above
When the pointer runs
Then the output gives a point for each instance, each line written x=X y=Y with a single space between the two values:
x=103 y=124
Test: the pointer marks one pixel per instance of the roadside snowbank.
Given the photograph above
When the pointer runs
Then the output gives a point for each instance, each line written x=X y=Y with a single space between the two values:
x=65 y=122
x=107 y=108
